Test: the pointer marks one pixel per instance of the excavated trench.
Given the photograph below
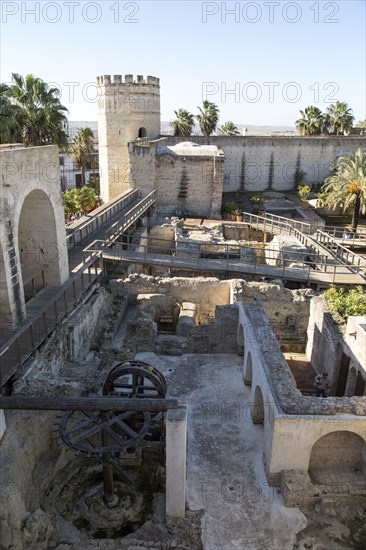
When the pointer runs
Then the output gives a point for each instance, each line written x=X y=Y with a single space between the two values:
x=76 y=493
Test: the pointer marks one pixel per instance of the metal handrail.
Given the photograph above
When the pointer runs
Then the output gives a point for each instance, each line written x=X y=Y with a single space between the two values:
x=175 y=248
x=98 y=219
x=116 y=229
x=340 y=251
x=29 y=322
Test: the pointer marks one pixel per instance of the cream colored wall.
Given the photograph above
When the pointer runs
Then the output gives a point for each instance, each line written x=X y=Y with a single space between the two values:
x=288 y=439
x=32 y=218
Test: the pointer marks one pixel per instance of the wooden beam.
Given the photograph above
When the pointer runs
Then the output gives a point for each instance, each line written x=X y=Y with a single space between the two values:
x=104 y=403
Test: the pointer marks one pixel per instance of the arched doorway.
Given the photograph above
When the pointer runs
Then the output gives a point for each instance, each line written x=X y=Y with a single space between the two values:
x=241 y=348
x=248 y=371
x=339 y=454
x=360 y=385
x=351 y=383
x=37 y=238
x=142 y=133
x=258 y=407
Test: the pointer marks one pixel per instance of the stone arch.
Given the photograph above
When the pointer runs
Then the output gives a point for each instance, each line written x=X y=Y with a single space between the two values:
x=338 y=452
x=248 y=370
x=142 y=133
x=351 y=382
x=241 y=344
x=258 y=407
x=37 y=237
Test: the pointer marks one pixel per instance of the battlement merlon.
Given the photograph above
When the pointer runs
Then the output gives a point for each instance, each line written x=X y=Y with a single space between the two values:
x=117 y=79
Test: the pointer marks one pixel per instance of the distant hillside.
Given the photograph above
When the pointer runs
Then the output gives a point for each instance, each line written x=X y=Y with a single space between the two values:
x=252 y=130
x=166 y=129
x=74 y=126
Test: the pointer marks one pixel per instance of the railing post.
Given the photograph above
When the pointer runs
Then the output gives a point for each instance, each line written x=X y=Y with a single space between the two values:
x=34 y=291
x=44 y=321
x=74 y=290
x=56 y=312
x=255 y=261
x=65 y=303
x=32 y=337
x=43 y=278
x=17 y=347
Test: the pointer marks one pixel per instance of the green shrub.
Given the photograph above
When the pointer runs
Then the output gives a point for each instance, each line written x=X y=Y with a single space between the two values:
x=346 y=303
x=231 y=207
x=304 y=191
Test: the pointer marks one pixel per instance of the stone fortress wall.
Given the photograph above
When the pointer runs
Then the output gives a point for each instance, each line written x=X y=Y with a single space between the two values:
x=32 y=227
x=129 y=111
x=262 y=163
x=128 y=108
x=188 y=178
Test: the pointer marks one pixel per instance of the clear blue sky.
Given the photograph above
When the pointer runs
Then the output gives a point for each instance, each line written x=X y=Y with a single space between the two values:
x=318 y=46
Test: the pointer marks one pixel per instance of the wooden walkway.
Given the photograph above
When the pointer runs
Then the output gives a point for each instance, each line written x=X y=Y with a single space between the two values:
x=48 y=307
x=117 y=225
x=44 y=313
x=338 y=275
x=96 y=240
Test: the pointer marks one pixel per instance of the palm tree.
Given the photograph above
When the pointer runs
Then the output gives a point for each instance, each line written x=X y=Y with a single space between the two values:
x=208 y=117
x=229 y=129
x=339 y=118
x=81 y=150
x=348 y=185
x=87 y=198
x=10 y=119
x=42 y=117
x=184 y=123
x=311 y=123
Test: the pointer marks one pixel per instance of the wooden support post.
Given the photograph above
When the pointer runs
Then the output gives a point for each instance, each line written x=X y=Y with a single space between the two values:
x=94 y=403
x=109 y=495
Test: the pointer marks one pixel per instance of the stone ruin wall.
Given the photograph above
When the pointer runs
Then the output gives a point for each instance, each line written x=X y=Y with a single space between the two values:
x=328 y=335
x=263 y=163
x=287 y=310
x=29 y=450
x=289 y=399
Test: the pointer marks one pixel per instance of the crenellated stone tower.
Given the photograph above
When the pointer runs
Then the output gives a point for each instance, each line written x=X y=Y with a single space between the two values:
x=128 y=108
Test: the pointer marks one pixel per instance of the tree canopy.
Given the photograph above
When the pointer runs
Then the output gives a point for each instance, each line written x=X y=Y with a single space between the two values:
x=347 y=186
x=183 y=124
x=208 y=117
x=31 y=113
x=337 y=120
x=81 y=150
x=229 y=129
